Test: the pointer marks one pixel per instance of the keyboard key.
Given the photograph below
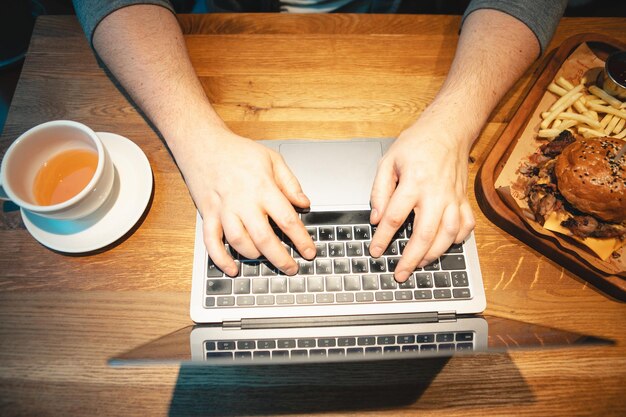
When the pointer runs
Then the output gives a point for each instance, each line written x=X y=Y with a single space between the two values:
x=362 y=232
x=326 y=233
x=391 y=349
x=352 y=282
x=210 y=345
x=402 y=245
x=246 y=300
x=392 y=263
x=299 y=353
x=461 y=293
x=315 y=284
x=410 y=348
x=445 y=347
x=243 y=355
x=387 y=282
x=225 y=301
x=296 y=284
x=336 y=352
x=406 y=338
x=386 y=340
x=392 y=249
x=279 y=354
x=449 y=262
x=242 y=285
x=333 y=283
x=219 y=286
x=455 y=248
x=321 y=249
x=403 y=295
x=260 y=286
x=346 y=341
x=444 y=337
x=342 y=266
x=428 y=348
x=286 y=343
x=336 y=249
x=344 y=232
x=354 y=351
x=384 y=296
x=265 y=300
x=460 y=347
x=317 y=353
x=378 y=265
x=250 y=269
x=442 y=279
x=279 y=284
x=305 y=267
x=442 y=294
x=422 y=294
x=306 y=343
x=312 y=232
x=433 y=266
x=364 y=297
x=373 y=350
x=219 y=355
x=409 y=283
x=246 y=344
x=459 y=279
x=262 y=354
x=323 y=266
x=370 y=282
x=344 y=297
x=359 y=265
x=324 y=298
x=424 y=280
x=267 y=269
x=354 y=249
x=226 y=345
x=425 y=338
x=326 y=342
x=305 y=299
x=209 y=302
x=366 y=341
x=464 y=337
x=285 y=299
x=266 y=344
x=212 y=271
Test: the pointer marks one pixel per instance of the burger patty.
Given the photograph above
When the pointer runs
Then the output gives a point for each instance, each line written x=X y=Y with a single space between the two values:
x=543 y=195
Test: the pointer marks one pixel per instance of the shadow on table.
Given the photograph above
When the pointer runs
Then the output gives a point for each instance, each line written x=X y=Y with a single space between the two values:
x=326 y=387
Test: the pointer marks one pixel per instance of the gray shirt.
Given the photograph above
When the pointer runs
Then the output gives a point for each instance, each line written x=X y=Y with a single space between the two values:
x=541 y=16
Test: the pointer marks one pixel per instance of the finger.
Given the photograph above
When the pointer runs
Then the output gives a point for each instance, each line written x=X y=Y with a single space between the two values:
x=238 y=237
x=425 y=227
x=467 y=222
x=286 y=218
x=213 y=240
x=384 y=185
x=288 y=183
x=448 y=230
x=400 y=205
x=270 y=245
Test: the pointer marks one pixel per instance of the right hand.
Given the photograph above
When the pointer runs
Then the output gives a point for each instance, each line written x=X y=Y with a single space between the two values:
x=238 y=185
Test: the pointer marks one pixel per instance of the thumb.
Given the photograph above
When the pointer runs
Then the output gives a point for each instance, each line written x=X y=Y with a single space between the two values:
x=288 y=183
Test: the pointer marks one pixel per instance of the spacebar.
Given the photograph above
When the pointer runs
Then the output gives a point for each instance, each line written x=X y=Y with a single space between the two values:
x=336 y=217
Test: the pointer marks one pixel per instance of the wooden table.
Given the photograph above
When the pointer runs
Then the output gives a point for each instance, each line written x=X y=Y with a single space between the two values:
x=271 y=76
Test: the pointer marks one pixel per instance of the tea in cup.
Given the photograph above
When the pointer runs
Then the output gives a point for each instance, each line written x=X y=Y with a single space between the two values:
x=58 y=170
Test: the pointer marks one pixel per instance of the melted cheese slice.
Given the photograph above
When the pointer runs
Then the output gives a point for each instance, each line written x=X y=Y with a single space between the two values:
x=602 y=247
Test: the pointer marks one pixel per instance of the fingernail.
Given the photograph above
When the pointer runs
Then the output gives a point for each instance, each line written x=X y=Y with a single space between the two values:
x=401 y=276
x=309 y=253
x=374 y=214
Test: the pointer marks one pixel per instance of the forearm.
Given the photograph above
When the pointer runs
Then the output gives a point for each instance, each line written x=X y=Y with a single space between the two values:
x=143 y=47
x=493 y=52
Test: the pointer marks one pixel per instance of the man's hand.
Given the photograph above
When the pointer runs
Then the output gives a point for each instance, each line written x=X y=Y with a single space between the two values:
x=238 y=193
x=423 y=171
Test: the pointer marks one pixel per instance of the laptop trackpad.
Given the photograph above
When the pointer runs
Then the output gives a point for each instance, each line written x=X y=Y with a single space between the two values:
x=334 y=175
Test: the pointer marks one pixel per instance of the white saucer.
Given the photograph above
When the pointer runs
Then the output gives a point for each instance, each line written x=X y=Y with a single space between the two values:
x=125 y=206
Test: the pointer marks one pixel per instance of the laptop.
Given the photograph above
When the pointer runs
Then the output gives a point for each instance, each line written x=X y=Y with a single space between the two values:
x=343 y=285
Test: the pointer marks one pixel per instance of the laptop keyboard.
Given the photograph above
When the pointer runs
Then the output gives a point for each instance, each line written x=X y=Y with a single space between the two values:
x=339 y=346
x=341 y=273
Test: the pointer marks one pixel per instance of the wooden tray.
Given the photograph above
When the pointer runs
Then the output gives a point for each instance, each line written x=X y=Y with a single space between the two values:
x=496 y=209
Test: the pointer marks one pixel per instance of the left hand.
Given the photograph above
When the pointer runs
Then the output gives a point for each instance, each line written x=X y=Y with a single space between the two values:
x=424 y=170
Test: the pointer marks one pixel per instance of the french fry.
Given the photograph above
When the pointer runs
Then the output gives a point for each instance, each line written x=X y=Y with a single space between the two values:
x=590 y=133
x=567 y=97
x=619 y=126
x=559 y=91
x=557 y=110
x=598 y=92
x=610 y=110
x=621 y=135
x=605 y=121
x=580 y=118
x=611 y=125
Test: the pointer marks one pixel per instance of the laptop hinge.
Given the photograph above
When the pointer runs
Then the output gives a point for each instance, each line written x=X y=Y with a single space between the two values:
x=231 y=324
x=326 y=321
x=446 y=316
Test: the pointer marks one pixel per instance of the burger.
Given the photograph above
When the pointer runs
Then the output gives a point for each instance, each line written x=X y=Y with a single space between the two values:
x=577 y=187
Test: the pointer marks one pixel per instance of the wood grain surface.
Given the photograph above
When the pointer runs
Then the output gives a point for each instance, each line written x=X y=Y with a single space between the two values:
x=273 y=76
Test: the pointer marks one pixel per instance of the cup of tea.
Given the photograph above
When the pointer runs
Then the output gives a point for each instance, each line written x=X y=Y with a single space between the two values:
x=59 y=170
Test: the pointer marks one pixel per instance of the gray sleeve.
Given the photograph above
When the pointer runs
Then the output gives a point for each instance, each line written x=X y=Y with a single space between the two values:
x=541 y=16
x=91 y=12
